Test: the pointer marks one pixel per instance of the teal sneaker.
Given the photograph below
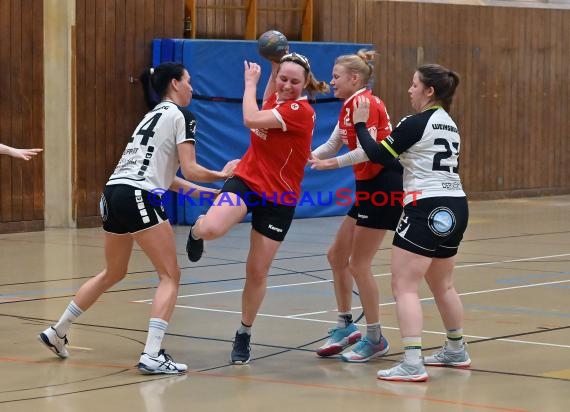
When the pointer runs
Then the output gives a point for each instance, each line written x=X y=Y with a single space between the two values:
x=339 y=339
x=404 y=372
x=448 y=357
x=365 y=350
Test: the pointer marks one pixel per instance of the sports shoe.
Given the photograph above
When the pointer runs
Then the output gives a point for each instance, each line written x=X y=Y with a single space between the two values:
x=241 y=352
x=162 y=363
x=339 y=338
x=53 y=342
x=448 y=357
x=194 y=247
x=365 y=350
x=404 y=371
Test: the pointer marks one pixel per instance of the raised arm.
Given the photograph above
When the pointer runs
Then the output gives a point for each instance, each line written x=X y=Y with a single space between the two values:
x=252 y=116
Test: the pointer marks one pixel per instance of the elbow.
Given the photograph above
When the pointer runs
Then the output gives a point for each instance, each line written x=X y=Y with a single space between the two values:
x=248 y=122
x=187 y=172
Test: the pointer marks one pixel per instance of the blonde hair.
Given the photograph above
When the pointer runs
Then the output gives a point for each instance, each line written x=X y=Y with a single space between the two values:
x=361 y=63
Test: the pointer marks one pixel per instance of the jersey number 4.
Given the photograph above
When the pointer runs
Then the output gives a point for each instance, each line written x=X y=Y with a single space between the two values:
x=446 y=154
x=146 y=130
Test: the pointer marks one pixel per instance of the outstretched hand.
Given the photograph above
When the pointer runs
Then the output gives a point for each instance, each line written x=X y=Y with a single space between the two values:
x=360 y=109
x=24 y=154
x=322 y=164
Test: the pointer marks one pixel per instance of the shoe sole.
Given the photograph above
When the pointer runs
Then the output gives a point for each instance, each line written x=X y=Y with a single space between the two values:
x=143 y=369
x=362 y=360
x=461 y=365
x=44 y=339
x=245 y=362
x=412 y=378
x=335 y=350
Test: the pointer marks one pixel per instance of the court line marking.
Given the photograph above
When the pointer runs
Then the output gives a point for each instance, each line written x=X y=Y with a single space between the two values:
x=388 y=274
x=302 y=316
x=295 y=317
x=380 y=391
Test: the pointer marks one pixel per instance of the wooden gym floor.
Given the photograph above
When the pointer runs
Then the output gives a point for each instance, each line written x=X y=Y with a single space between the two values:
x=512 y=271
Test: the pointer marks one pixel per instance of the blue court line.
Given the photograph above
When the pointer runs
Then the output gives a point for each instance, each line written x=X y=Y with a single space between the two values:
x=531 y=278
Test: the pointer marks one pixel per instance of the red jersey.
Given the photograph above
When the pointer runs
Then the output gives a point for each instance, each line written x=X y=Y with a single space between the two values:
x=275 y=161
x=378 y=124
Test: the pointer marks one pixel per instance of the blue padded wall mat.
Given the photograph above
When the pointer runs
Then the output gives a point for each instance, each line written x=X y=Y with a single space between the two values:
x=216 y=70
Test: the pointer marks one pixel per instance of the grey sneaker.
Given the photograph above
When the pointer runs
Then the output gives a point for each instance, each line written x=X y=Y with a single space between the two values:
x=447 y=357
x=339 y=338
x=404 y=372
x=53 y=342
x=162 y=363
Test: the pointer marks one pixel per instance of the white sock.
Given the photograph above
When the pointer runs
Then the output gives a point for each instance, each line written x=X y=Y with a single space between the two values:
x=412 y=349
x=192 y=232
x=156 y=329
x=67 y=318
x=455 y=339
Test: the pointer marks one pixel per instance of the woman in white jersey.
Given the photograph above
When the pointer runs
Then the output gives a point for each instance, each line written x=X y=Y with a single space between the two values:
x=362 y=230
x=161 y=143
x=434 y=219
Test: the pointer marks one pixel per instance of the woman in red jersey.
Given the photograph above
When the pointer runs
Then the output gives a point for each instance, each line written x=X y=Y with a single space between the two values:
x=267 y=181
x=375 y=210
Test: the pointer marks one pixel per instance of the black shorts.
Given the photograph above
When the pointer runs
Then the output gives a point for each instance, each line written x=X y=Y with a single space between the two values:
x=127 y=209
x=272 y=220
x=382 y=207
x=433 y=226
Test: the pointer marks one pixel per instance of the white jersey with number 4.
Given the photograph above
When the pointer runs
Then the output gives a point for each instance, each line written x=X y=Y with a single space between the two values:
x=150 y=160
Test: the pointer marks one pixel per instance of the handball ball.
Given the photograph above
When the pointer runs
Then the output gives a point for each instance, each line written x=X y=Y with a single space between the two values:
x=272 y=45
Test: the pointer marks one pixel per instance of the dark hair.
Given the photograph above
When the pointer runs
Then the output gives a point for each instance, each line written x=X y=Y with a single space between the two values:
x=443 y=81
x=155 y=81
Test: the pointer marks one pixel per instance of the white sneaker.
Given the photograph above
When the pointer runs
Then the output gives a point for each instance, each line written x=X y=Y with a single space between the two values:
x=404 y=372
x=53 y=342
x=162 y=363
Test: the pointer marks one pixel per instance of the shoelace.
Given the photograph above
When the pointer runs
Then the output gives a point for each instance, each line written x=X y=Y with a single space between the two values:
x=64 y=337
x=168 y=360
x=241 y=344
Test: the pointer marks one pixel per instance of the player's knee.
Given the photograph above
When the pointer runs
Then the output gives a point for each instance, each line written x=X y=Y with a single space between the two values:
x=335 y=258
x=211 y=231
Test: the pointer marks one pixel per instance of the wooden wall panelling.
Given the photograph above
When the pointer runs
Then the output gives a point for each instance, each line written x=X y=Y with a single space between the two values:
x=16 y=69
x=533 y=82
x=559 y=88
x=554 y=82
x=36 y=137
x=113 y=47
x=5 y=112
x=487 y=127
x=21 y=113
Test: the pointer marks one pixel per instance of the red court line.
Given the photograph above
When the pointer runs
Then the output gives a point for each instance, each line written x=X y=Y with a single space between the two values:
x=366 y=391
x=378 y=392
